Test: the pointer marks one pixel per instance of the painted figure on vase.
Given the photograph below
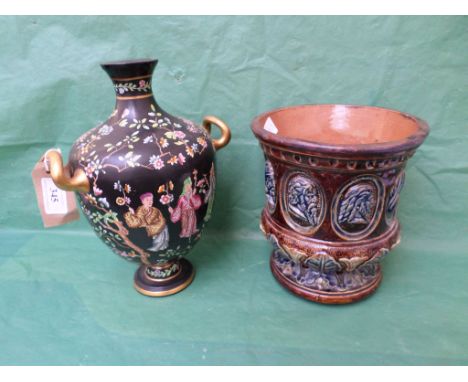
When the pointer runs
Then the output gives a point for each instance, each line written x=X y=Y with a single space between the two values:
x=189 y=201
x=150 y=218
x=210 y=193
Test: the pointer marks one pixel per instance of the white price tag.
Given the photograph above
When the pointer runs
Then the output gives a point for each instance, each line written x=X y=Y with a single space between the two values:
x=55 y=199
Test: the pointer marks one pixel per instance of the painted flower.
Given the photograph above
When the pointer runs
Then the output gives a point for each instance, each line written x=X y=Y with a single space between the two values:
x=117 y=186
x=189 y=151
x=201 y=141
x=97 y=191
x=161 y=188
x=156 y=162
x=163 y=142
x=142 y=83
x=166 y=198
x=120 y=201
x=127 y=200
x=139 y=123
x=173 y=160
x=127 y=188
x=105 y=130
x=179 y=134
x=89 y=169
x=195 y=147
x=94 y=165
x=181 y=158
x=148 y=139
x=132 y=160
x=90 y=198
x=104 y=202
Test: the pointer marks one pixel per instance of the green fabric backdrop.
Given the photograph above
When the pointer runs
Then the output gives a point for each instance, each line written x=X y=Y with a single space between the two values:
x=66 y=299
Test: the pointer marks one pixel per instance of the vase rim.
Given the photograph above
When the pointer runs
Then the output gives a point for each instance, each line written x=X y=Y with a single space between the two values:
x=130 y=62
x=130 y=69
x=416 y=129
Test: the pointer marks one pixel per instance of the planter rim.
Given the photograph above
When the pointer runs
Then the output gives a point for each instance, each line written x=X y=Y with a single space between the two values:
x=290 y=144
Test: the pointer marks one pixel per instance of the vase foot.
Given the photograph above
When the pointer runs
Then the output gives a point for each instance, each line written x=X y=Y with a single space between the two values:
x=160 y=287
x=341 y=296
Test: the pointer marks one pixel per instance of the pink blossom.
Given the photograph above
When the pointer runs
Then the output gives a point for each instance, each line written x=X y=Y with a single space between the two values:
x=166 y=198
x=97 y=191
x=89 y=169
x=142 y=83
x=181 y=158
x=179 y=134
x=159 y=164
x=156 y=161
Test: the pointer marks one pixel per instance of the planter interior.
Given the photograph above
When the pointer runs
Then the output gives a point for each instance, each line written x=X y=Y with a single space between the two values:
x=343 y=125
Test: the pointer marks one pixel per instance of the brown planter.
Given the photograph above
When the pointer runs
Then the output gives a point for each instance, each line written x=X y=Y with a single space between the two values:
x=333 y=175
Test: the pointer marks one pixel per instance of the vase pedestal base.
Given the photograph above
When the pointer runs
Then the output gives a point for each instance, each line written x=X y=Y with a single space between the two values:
x=323 y=296
x=160 y=287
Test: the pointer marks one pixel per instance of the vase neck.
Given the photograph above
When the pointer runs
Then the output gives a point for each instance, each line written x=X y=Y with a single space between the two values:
x=131 y=79
x=133 y=88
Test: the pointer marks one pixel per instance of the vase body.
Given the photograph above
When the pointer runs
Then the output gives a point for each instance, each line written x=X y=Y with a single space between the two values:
x=333 y=175
x=151 y=181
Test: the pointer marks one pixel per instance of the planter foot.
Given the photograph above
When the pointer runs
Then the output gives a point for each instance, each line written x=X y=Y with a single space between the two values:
x=334 y=295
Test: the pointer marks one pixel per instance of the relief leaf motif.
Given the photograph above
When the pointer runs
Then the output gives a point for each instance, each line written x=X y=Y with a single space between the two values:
x=357 y=206
x=351 y=264
x=322 y=263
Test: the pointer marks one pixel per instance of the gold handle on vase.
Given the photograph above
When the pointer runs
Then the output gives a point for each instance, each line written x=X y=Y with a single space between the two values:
x=225 y=131
x=61 y=175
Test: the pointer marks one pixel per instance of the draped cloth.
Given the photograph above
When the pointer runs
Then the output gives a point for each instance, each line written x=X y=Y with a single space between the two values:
x=185 y=213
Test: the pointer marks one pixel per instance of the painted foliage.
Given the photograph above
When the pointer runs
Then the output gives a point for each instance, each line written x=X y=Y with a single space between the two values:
x=157 y=217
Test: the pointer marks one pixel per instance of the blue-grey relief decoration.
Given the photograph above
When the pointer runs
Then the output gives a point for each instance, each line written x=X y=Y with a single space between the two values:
x=357 y=207
x=394 y=197
x=358 y=204
x=305 y=203
x=322 y=272
x=270 y=186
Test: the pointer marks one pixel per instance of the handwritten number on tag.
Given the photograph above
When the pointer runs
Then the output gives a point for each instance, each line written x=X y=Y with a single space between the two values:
x=55 y=200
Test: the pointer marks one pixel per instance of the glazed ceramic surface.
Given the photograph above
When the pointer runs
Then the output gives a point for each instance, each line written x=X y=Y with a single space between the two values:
x=333 y=176
x=151 y=180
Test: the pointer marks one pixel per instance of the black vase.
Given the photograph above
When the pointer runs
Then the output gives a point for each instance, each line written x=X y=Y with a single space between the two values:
x=145 y=179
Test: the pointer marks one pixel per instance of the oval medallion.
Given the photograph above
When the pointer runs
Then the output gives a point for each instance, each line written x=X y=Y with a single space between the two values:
x=393 y=197
x=357 y=207
x=270 y=186
x=303 y=203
